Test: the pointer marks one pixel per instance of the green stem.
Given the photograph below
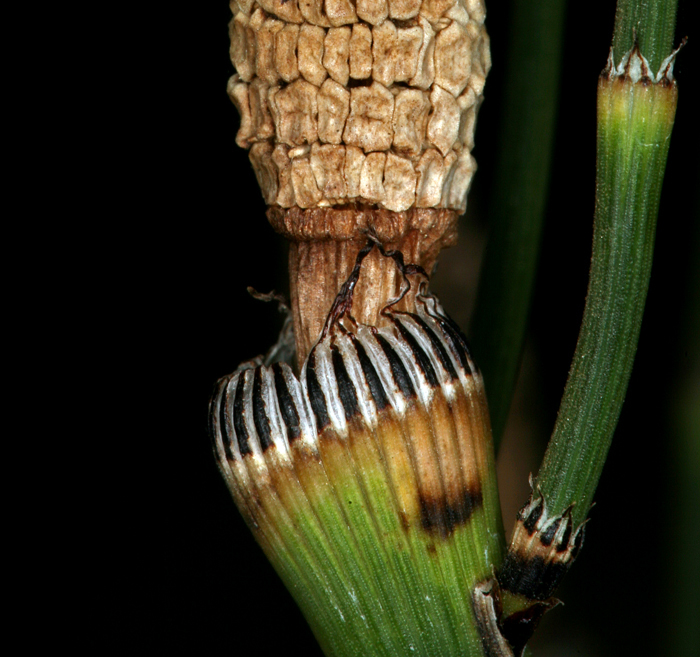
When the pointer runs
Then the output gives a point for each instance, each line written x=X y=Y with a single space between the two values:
x=518 y=202
x=683 y=570
x=651 y=22
x=635 y=120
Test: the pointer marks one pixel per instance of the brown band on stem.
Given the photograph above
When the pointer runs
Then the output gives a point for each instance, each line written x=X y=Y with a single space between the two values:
x=324 y=246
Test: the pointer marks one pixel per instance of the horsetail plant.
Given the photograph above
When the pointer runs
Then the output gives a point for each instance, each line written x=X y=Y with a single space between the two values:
x=359 y=449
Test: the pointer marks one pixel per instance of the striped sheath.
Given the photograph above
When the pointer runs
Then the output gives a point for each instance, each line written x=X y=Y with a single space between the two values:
x=369 y=480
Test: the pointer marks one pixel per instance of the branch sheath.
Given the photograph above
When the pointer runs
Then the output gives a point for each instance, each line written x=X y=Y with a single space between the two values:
x=635 y=117
x=518 y=201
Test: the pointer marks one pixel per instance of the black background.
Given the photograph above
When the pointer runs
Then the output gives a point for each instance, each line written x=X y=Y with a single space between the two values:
x=166 y=281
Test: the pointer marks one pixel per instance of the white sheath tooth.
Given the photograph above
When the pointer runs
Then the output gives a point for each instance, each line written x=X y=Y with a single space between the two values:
x=433 y=311
x=278 y=431
x=354 y=369
x=434 y=325
x=383 y=368
x=253 y=438
x=235 y=469
x=420 y=384
x=329 y=385
x=228 y=399
x=218 y=420
x=307 y=424
x=444 y=378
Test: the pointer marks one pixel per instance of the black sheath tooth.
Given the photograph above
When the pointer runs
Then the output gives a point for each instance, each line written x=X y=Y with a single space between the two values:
x=578 y=541
x=260 y=419
x=563 y=545
x=223 y=424
x=238 y=419
x=288 y=408
x=457 y=340
x=374 y=383
x=346 y=388
x=439 y=348
x=316 y=397
x=398 y=370
x=547 y=536
x=421 y=357
x=533 y=578
x=220 y=397
x=535 y=514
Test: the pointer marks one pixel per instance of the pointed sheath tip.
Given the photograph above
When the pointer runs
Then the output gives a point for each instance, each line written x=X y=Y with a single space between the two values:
x=635 y=67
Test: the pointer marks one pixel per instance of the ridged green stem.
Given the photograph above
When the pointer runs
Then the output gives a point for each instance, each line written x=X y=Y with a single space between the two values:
x=652 y=22
x=634 y=128
x=518 y=201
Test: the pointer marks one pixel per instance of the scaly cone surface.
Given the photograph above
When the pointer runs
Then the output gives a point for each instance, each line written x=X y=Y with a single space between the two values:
x=372 y=102
x=359 y=118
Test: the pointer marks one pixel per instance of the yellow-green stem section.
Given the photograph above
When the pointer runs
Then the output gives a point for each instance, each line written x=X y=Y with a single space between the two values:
x=369 y=580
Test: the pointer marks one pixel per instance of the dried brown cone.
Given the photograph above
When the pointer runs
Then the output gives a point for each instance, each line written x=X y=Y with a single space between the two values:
x=359 y=117
x=368 y=474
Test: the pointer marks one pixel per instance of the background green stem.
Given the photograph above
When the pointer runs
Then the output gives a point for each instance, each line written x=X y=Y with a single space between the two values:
x=518 y=199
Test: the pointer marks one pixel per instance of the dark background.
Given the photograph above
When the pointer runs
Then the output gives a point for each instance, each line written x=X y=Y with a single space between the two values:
x=189 y=234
